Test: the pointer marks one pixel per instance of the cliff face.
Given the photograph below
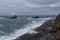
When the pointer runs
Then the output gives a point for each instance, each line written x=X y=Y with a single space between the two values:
x=56 y=28
x=56 y=23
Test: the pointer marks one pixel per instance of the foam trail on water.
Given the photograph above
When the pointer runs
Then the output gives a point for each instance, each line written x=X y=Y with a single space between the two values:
x=20 y=32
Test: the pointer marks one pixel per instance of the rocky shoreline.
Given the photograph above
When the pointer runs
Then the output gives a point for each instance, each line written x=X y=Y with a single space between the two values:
x=50 y=30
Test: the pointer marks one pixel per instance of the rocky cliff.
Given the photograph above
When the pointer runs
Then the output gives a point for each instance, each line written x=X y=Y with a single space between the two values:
x=56 y=28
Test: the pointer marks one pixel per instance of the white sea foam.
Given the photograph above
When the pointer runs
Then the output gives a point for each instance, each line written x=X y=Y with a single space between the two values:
x=2 y=18
x=20 y=32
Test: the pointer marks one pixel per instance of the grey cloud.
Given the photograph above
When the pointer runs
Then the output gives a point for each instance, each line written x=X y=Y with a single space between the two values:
x=44 y=1
x=29 y=7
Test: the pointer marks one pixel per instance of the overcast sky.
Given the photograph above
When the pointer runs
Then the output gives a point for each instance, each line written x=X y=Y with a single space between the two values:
x=29 y=7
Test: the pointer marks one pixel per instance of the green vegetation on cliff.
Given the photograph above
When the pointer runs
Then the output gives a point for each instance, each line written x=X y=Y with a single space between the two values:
x=58 y=26
x=56 y=23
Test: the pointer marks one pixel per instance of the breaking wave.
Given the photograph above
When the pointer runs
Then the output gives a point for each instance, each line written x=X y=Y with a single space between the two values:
x=28 y=29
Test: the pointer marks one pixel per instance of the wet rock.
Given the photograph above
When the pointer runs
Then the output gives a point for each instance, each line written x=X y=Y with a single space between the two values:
x=30 y=37
x=12 y=17
x=36 y=17
x=45 y=27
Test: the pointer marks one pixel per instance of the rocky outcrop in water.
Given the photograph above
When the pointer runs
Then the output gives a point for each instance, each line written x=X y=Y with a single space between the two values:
x=12 y=17
x=36 y=17
x=50 y=30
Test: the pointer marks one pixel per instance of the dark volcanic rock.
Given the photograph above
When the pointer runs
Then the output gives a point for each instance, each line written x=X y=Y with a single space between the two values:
x=36 y=17
x=45 y=27
x=12 y=17
x=30 y=37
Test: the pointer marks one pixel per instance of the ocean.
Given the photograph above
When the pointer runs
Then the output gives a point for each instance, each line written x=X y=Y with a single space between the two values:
x=13 y=28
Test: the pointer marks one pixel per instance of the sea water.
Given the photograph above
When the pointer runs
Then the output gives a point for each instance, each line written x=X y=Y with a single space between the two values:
x=13 y=28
